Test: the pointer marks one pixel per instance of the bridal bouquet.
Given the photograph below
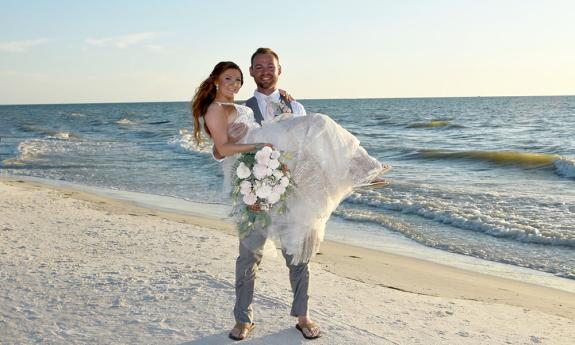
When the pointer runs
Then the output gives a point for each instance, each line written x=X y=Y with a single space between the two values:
x=262 y=181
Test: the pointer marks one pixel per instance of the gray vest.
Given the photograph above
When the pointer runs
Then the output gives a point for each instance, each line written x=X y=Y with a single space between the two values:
x=253 y=103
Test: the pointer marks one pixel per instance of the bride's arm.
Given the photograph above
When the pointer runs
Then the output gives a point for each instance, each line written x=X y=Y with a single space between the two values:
x=217 y=122
x=236 y=131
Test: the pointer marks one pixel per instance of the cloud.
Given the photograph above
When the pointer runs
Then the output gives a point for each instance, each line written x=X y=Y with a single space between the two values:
x=12 y=73
x=122 y=41
x=21 y=46
x=156 y=48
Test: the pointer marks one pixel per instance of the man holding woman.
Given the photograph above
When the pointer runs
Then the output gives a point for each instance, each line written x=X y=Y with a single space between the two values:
x=236 y=129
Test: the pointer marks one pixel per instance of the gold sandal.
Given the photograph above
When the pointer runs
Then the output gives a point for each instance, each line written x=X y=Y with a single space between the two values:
x=377 y=183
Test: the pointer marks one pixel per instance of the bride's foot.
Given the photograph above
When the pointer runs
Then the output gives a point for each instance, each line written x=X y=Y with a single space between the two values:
x=378 y=183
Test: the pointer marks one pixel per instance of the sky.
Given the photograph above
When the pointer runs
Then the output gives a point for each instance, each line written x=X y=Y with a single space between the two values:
x=152 y=51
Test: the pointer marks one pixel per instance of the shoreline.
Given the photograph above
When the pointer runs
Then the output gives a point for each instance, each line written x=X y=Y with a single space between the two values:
x=374 y=267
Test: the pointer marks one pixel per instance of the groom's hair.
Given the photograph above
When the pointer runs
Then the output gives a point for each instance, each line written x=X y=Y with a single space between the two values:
x=262 y=51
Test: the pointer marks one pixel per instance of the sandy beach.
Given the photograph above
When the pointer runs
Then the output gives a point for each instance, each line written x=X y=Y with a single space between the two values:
x=78 y=268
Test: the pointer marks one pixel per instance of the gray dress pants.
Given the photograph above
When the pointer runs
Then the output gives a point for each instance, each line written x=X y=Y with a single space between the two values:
x=246 y=268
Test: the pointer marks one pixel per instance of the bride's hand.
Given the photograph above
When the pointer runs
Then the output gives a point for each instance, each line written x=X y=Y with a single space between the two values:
x=259 y=146
x=286 y=95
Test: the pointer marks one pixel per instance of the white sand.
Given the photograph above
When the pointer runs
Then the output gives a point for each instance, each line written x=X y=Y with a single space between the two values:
x=97 y=272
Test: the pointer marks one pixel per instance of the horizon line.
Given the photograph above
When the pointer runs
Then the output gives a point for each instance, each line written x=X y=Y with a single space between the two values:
x=299 y=99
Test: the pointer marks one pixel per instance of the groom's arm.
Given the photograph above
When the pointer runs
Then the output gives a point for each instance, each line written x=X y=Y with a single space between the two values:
x=297 y=108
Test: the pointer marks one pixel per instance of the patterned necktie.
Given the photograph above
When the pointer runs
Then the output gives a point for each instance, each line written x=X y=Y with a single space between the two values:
x=269 y=108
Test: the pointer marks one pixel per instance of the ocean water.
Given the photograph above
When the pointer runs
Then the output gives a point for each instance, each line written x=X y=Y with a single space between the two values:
x=491 y=178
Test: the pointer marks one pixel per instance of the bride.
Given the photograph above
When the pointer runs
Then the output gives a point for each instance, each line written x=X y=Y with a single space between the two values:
x=327 y=163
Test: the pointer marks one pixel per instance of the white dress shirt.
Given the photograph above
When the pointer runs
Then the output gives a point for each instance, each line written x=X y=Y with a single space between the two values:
x=297 y=108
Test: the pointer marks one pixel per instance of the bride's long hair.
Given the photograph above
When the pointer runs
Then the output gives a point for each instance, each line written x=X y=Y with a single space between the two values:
x=205 y=95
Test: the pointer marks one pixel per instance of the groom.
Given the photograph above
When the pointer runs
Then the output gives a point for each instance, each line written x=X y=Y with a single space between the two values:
x=266 y=103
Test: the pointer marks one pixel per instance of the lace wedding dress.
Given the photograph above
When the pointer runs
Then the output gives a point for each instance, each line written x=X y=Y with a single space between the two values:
x=327 y=163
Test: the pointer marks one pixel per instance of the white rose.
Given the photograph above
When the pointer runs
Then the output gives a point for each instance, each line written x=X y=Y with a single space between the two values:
x=264 y=191
x=250 y=199
x=278 y=174
x=273 y=164
x=245 y=187
x=284 y=181
x=260 y=171
x=269 y=172
x=262 y=157
x=279 y=189
x=273 y=198
x=275 y=154
x=243 y=171
x=268 y=150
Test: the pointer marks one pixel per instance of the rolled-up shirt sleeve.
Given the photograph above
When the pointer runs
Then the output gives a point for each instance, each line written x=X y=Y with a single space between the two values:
x=298 y=109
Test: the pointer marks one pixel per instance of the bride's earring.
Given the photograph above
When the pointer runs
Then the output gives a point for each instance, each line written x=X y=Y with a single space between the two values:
x=217 y=87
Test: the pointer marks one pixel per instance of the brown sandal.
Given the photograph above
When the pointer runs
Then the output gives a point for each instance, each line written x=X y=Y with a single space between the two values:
x=245 y=330
x=307 y=328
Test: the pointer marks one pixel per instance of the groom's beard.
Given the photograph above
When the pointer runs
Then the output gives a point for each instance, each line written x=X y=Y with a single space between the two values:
x=266 y=85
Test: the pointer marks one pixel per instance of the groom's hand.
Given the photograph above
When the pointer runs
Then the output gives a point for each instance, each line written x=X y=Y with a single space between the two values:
x=287 y=96
x=236 y=131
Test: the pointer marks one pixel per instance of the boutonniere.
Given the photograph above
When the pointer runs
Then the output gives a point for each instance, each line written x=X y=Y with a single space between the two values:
x=281 y=107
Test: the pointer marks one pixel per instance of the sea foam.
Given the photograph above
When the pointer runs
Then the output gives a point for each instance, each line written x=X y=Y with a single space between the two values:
x=565 y=167
x=125 y=122
x=32 y=149
x=479 y=212
x=51 y=149
x=186 y=143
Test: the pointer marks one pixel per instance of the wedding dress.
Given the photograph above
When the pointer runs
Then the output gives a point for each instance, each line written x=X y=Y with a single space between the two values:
x=327 y=162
